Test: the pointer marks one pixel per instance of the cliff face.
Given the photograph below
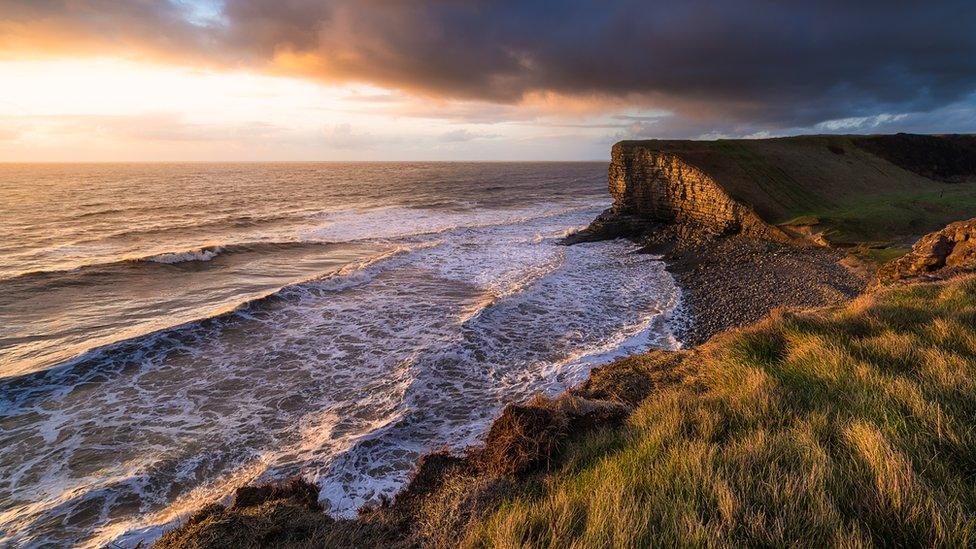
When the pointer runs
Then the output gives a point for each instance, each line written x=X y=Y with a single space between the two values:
x=661 y=186
x=821 y=189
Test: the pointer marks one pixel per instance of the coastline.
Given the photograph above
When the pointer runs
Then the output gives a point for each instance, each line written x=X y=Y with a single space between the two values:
x=730 y=238
x=524 y=443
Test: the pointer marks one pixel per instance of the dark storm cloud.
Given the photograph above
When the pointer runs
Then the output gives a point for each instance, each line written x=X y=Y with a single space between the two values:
x=763 y=63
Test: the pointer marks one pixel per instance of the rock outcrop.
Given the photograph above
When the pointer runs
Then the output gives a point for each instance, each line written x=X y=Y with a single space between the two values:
x=936 y=255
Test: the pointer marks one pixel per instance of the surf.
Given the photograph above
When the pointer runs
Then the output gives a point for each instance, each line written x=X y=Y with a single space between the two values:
x=373 y=319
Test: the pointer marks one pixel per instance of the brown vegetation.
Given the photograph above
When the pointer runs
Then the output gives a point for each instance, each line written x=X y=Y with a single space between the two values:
x=296 y=490
x=278 y=514
x=524 y=437
x=447 y=494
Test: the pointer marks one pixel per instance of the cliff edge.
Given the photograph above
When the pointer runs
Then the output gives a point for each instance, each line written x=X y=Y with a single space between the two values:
x=826 y=190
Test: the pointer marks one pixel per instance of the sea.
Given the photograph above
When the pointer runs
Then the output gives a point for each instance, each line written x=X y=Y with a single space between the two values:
x=171 y=331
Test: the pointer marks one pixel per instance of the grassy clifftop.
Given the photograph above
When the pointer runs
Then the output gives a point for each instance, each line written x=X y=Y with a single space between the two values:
x=856 y=188
x=851 y=427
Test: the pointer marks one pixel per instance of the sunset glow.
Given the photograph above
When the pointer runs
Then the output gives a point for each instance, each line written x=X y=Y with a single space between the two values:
x=211 y=80
x=113 y=109
x=110 y=109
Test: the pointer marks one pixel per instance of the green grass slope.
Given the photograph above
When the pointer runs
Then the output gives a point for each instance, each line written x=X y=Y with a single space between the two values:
x=851 y=427
x=856 y=188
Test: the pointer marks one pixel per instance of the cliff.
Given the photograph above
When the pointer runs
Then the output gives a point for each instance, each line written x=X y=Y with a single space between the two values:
x=660 y=184
x=822 y=189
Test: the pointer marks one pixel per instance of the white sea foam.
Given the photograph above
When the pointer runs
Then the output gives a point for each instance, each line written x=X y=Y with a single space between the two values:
x=400 y=222
x=345 y=378
x=204 y=254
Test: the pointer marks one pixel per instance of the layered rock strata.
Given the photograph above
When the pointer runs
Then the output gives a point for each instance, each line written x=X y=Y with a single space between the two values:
x=651 y=186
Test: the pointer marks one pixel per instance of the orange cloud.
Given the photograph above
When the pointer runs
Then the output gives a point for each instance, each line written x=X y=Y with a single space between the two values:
x=743 y=63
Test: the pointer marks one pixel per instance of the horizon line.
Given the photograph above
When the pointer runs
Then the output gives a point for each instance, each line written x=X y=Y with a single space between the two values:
x=54 y=162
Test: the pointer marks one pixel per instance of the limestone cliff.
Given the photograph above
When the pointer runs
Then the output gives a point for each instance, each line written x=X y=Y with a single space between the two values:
x=808 y=189
x=655 y=184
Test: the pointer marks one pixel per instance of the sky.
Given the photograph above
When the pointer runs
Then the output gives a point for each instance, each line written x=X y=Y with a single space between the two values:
x=130 y=80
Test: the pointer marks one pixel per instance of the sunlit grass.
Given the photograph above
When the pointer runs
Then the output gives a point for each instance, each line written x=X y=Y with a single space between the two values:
x=880 y=256
x=851 y=427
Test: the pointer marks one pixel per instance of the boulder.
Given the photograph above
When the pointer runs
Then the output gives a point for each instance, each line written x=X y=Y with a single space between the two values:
x=936 y=255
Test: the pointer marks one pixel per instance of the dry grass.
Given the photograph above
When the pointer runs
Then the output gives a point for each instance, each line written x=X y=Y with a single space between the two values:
x=523 y=438
x=854 y=427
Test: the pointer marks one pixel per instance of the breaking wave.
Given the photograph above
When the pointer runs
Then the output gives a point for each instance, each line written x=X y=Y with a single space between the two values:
x=198 y=254
x=203 y=254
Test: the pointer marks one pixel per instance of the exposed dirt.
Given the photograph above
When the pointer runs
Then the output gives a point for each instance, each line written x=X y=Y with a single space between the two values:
x=295 y=490
x=280 y=514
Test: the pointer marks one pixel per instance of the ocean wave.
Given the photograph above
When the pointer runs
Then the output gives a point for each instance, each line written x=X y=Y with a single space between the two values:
x=371 y=377
x=383 y=224
x=354 y=274
x=174 y=257
x=171 y=258
x=107 y=211
x=544 y=334
x=176 y=369
x=400 y=222
x=234 y=222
